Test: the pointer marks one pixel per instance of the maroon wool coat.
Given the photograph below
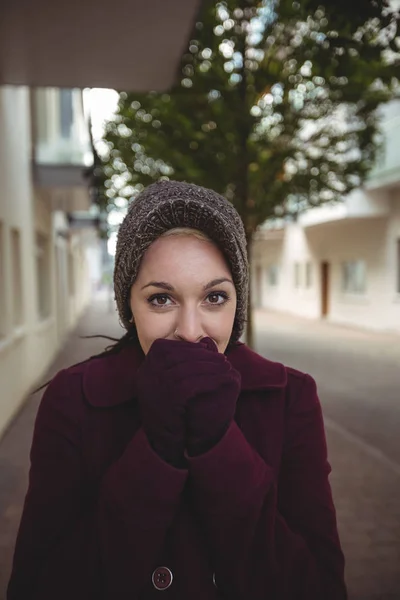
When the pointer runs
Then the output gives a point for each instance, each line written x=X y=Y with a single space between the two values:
x=103 y=511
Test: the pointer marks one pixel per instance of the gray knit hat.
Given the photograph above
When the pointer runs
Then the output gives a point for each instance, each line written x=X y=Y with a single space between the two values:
x=168 y=205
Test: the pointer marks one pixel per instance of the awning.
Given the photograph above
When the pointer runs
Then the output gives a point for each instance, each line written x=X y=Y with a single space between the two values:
x=124 y=44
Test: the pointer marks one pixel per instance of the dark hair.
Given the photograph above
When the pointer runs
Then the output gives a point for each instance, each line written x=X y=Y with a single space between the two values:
x=128 y=339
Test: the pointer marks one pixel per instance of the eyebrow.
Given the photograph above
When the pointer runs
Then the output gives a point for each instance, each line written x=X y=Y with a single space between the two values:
x=159 y=284
x=166 y=286
x=218 y=281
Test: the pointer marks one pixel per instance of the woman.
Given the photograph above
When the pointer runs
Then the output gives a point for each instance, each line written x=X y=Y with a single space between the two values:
x=180 y=460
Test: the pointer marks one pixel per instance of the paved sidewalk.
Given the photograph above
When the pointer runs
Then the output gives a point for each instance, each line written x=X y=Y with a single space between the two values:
x=358 y=377
x=366 y=485
x=367 y=498
x=15 y=444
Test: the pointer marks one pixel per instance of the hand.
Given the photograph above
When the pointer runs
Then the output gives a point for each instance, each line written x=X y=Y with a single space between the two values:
x=173 y=376
x=212 y=403
x=162 y=406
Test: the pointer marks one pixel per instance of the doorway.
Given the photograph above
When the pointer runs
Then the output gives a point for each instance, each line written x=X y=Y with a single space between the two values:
x=325 y=281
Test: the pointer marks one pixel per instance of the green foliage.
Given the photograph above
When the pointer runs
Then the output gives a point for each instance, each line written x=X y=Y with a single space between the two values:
x=275 y=106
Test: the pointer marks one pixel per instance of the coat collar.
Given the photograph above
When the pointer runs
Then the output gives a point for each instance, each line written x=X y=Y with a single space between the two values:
x=110 y=380
x=258 y=373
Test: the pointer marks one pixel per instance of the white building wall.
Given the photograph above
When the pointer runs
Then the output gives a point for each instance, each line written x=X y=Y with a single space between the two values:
x=365 y=227
x=371 y=240
x=386 y=170
x=28 y=342
x=284 y=253
x=16 y=212
x=93 y=253
x=393 y=261
x=358 y=240
x=52 y=147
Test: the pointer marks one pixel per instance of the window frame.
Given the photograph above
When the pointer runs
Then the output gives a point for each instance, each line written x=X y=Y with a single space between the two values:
x=349 y=276
x=273 y=275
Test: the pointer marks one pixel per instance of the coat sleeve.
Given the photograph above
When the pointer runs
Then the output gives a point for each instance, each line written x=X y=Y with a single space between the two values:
x=272 y=539
x=77 y=543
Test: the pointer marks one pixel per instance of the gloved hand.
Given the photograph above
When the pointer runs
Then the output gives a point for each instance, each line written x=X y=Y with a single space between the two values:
x=161 y=404
x=211 y=405
x=187 y=396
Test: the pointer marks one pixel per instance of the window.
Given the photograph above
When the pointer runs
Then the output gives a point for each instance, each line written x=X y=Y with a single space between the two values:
x=309 y=274
x=297 y=275
x=398 y=266
x=2 y=285
x=272 y=275
x=16 y=273
x=354 y=277
x=43 y=275
x=66 y=113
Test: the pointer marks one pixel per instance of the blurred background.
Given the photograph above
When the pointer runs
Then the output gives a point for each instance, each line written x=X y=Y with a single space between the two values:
x=290 y=109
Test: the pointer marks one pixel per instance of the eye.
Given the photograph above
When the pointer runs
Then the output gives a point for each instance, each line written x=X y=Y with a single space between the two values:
x=217 y=298
x=159 y=300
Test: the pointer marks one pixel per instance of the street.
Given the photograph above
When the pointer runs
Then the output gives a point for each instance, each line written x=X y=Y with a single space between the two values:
x=358 y=377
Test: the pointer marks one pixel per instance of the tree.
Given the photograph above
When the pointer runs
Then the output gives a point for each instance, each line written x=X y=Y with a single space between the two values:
x=275 y=106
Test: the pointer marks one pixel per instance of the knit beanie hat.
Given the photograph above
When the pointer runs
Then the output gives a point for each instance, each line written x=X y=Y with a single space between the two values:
x=168 y=205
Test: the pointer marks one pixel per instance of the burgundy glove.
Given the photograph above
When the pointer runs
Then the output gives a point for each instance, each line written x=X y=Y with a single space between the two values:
x=176 y=376
x=212 y=402
x=161 y=405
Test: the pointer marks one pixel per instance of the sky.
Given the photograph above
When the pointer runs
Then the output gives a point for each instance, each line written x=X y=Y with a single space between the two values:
x=100 y=103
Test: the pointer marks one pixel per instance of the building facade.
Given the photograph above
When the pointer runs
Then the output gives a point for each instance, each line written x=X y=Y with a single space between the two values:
x=45 y=263
x=341 y=262
x=49 y=262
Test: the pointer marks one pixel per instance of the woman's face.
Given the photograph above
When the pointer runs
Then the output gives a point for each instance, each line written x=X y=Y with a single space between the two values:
x=184 y=290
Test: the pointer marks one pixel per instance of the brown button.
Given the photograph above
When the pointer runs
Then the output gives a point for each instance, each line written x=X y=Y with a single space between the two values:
x=162 y=578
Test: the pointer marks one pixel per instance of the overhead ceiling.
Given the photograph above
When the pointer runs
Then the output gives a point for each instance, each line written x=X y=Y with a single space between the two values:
x=123 y=44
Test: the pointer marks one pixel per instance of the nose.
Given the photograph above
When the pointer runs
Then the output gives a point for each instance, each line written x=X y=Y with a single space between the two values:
x=188 y=327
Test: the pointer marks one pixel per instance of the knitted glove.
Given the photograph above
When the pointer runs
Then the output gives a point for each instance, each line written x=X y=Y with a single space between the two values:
x=169 y=375
x=211 y=406
x=161 y=405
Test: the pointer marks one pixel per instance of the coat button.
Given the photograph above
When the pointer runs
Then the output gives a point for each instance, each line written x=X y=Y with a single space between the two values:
x=162 y=578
